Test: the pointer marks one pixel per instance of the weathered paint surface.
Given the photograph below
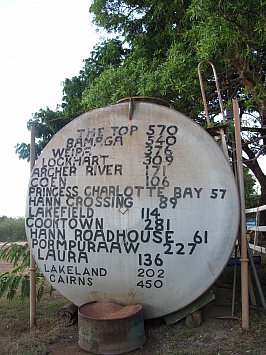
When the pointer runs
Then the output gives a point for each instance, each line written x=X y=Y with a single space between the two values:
x=132 y=211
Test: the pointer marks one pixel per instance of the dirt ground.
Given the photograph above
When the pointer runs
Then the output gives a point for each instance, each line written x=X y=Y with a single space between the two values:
x=213 y=336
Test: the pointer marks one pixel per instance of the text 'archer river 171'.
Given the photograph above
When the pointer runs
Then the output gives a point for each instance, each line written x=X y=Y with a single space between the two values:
x=132 y=203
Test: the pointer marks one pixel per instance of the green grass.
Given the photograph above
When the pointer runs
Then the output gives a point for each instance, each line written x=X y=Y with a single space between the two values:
x=16 y=336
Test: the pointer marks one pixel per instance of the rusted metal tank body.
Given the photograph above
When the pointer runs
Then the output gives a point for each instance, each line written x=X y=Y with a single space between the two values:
x=132 y=205
x=109 y=328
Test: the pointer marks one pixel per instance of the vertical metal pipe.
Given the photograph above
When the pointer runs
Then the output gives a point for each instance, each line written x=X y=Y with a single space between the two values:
x=244 y=259
x=234 y=288
x=32 y=268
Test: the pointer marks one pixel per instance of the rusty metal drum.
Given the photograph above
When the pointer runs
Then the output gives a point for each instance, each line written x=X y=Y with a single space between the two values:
x=132 y=208
x=109 y=328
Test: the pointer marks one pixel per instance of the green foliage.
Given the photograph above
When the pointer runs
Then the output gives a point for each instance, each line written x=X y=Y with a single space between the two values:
x=252 y=198
x=107 y=55
x=47 y=123
x=194 y=30
x=17 y=280
x=152 y=26
x=12 y=229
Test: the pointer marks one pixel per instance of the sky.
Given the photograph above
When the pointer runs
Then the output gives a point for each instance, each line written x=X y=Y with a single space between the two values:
x=42 y=42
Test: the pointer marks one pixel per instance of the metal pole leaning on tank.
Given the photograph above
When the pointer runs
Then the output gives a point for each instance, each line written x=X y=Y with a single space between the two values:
x=217 y=89
x=32 y=268
x=244 y=259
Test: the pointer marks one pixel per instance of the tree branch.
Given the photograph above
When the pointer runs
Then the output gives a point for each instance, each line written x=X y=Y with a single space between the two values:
x=254 y=129
x=253 y=165
x=253 y=141
x=257 y=155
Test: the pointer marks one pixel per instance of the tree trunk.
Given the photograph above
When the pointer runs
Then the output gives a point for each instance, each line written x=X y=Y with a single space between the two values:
x=253 y=165
x=252 y=81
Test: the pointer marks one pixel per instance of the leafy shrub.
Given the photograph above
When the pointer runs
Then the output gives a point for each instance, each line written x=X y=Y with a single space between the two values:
x=18 y=280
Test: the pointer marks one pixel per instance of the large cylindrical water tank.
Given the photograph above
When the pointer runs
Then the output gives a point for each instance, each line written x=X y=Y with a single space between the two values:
x=132 y=208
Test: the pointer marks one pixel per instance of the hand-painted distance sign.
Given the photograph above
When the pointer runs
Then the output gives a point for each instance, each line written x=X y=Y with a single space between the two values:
x=132 y=211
